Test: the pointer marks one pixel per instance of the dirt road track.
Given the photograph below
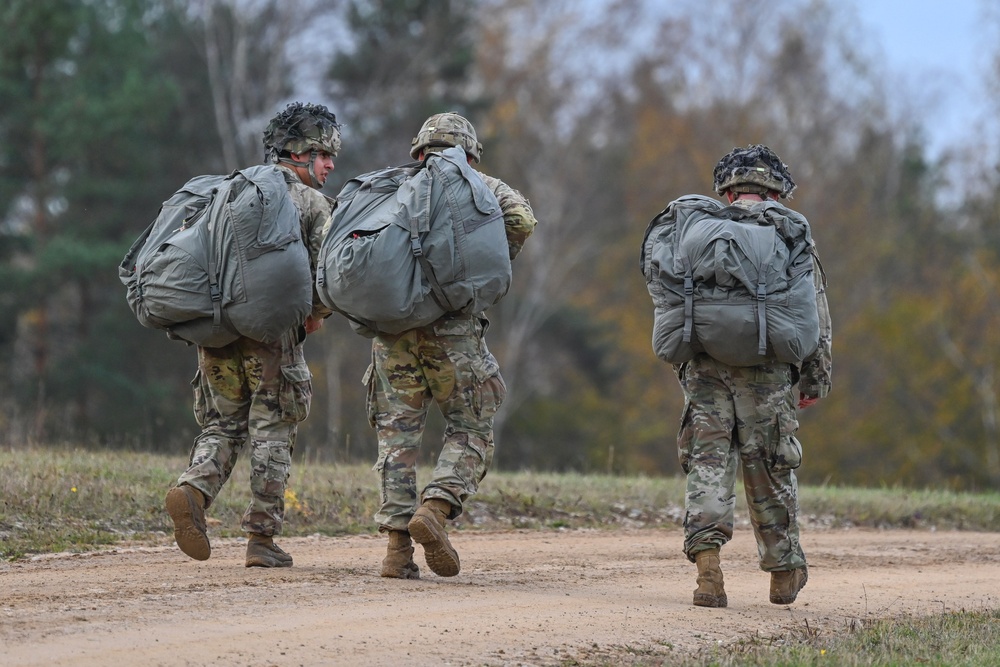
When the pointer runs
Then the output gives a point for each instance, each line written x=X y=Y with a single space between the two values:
x=522 y=598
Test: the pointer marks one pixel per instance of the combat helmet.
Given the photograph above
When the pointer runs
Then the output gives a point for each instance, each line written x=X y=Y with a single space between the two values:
x=301 y=128
x=755 y=169
x=444 y=130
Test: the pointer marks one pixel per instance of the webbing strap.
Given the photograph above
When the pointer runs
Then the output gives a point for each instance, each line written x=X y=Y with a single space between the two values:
x=761 y=296
x=418 y=251
x=688 y=306
x=214 y=292
x=129 y=262
x=761 y=318
x=436 y=292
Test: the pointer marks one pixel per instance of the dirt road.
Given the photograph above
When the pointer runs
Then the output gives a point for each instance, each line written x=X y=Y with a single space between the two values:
x=522 y=598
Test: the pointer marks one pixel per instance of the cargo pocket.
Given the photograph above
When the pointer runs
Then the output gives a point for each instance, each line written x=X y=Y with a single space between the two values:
x=295 y=394
x=371 y=404
x=271 y=463
x=785 y=450
x=198 y=389
x=684 y=438
x=490 y=390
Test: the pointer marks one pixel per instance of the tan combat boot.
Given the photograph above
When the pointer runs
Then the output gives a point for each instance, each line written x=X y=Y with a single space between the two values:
x=710 y=591
x=427 y=529
x=398 y=562
x=186 y=506
x=263 y=552
x=785 y=586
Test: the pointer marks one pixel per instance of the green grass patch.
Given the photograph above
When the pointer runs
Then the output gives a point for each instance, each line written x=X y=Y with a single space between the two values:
x=901 y=508
x=965 y=639
x=61 y=499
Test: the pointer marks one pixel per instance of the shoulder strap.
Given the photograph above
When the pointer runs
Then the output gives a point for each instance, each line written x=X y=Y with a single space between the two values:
x=418 y=251
x=128 y=263
x=688 y=300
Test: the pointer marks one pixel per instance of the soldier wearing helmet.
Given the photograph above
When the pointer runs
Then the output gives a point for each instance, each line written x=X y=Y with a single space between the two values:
x=446 y=130
x=754 y=170
x=446 y=362
x=254 y=392
x=305 y=137
x=747 y=415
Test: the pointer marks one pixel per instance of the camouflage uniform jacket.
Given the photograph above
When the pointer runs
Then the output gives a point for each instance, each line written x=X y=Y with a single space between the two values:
x=315 y=210
x=518 y=218
x=816 y=370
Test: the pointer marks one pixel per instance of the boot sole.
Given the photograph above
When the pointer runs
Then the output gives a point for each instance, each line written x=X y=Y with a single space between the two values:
x=702 y=600
x=258 y=561
x=262 y=556
x=191 y=539
x=401 y=573
x=441 y=557
x=778 y=599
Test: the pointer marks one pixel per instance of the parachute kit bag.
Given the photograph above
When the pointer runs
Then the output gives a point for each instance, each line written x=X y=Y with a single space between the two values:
x=224 y=258
x=734 y=283
x=409 y=244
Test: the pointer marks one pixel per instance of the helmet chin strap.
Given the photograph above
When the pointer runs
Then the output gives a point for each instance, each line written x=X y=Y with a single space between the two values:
x=308 y=165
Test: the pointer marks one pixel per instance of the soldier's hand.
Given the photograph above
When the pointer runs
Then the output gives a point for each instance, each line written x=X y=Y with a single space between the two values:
x=312 y=324
x=806 y=401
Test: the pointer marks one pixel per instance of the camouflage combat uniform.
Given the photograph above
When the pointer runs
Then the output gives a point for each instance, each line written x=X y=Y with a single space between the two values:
x=448 y=362
x=259 y=392
x=748 y=415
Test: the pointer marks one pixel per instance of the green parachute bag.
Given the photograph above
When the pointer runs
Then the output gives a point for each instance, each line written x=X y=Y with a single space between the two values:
x=409 y=244
x=734 y=283
x=224 y=258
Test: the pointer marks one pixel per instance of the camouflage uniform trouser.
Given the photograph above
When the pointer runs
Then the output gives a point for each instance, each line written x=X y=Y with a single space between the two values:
x=446 y=361
x=250 y=391
x=746 y=415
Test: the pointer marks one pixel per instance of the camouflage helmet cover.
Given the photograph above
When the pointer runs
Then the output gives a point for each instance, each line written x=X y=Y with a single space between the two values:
x=445 y=130
x=753 y=169
x=302 y=128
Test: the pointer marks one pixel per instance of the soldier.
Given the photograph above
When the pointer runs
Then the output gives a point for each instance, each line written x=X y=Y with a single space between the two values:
x=748 y=415
x=446 y=362
x=256 y=391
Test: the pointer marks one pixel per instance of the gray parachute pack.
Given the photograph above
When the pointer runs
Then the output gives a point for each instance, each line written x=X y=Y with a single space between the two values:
x=224 y=258
x=409 y=244
x=732 y=282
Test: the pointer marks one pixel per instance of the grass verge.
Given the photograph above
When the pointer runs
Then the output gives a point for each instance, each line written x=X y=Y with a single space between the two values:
x=58 y=499
x=966 y=639
x=74 y=500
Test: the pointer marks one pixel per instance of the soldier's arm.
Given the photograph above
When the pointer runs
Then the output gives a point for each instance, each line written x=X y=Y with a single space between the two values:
x=816 y=372
x=518 y=218
x=316 y=210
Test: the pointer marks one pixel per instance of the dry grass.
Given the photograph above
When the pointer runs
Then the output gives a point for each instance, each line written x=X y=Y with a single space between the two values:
x=57 y=499
x=60 y=499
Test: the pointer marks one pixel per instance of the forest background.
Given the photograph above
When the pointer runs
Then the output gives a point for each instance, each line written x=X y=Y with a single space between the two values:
x=600 y=113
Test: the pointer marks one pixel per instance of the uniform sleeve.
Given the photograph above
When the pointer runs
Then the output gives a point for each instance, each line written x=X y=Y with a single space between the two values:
x=316 y=210
x=816 y=372
x=518 y=218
